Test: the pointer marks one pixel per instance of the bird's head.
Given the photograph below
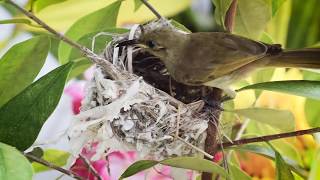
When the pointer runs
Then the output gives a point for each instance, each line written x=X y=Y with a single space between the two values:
x=164 y=43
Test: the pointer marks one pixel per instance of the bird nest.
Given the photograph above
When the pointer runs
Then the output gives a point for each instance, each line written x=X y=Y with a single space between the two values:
x=136 y=108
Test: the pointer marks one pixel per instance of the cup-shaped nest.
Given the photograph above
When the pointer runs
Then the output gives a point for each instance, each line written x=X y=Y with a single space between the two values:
x=129 y=113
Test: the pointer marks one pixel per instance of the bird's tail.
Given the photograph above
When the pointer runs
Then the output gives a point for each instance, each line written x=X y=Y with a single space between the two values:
x=301 y=58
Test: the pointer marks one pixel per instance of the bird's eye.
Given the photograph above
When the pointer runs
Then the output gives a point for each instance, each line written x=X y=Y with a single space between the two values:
x=151 y=44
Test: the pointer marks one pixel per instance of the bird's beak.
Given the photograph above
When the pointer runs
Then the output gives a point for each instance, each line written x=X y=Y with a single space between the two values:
x=143 y=46
x=128 y=43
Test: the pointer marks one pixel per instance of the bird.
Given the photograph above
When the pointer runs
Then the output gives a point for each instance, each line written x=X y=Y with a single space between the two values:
x=218 y=59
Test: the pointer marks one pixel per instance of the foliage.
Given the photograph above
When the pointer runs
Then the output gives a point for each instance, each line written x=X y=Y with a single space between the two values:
x=9 y=158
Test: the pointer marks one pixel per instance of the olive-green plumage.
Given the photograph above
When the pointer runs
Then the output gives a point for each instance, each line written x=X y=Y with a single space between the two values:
x=218 y=59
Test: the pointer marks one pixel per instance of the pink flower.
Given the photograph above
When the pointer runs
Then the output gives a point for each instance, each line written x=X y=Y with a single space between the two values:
x=218 y=157
x=76 y=91
x=108 y=168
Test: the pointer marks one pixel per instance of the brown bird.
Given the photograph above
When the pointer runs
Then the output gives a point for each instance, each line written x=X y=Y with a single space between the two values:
x=218 y=59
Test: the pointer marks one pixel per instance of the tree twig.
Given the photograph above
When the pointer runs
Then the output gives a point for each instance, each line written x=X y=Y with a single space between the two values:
x=211 y=142
x=52 y=166
x=230 y=16
x=45 y=26
x=112 y=71
x=152 y=9
x=271 y=137
x=90 y=167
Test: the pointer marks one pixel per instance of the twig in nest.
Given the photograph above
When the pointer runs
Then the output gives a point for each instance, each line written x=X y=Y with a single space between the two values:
x=178 y=121
x=196 y=148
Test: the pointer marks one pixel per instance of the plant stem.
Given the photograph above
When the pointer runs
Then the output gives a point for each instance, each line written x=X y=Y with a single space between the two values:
x=152 y=9
x=48 y=28
x=271 y=137
x=230 y=16
x=211 y=142
x=112 y=71
x=52 y=166
x=90 y=167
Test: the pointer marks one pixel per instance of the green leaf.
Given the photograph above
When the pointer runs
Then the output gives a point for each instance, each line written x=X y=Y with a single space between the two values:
x=276 y=4
x=266 y=38
x=20 y=65
x=100 y=41
x=62 y=15
x=179 y=26
x=195 y=163
x=280 y=119
x=13 y=165
x=19 y=21
x=54 y=156
x=283 y=171
x=39 y=5
x=312 y=110
x=16 y=21
x=310 y=89
x=137 y=4
x=237 y=173
x=138 y=167
x=282 y=145
x=80 y=65
x=93 y=22
x=23 y=116
x=304 y=12
x=277 y=28
x=262 y=75
x=222 y=7
x=269 y=153
x=315 y=167
x=192 y=163
x=252 y=17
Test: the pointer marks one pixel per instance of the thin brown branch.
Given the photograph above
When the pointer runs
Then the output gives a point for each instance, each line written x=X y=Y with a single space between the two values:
x=271 y=137
x=112 y=71
x=211 y=143
x=230 y=16
x=152 y=9
x=52 y=166
x=90 y=167
x=45 y=26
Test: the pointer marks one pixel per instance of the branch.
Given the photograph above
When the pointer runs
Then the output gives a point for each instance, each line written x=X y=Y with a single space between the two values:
x=146 y=3
x=45 y=26
x=90 y=167
x=270 y=137
x=211 y=142
x=112 y=71
x=230 y=16
x=52 y=166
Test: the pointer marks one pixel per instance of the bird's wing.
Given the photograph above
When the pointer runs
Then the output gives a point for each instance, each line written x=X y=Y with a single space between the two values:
x=222 y=53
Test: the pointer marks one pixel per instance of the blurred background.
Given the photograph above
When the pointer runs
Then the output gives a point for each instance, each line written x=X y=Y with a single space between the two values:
x=294 y=24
